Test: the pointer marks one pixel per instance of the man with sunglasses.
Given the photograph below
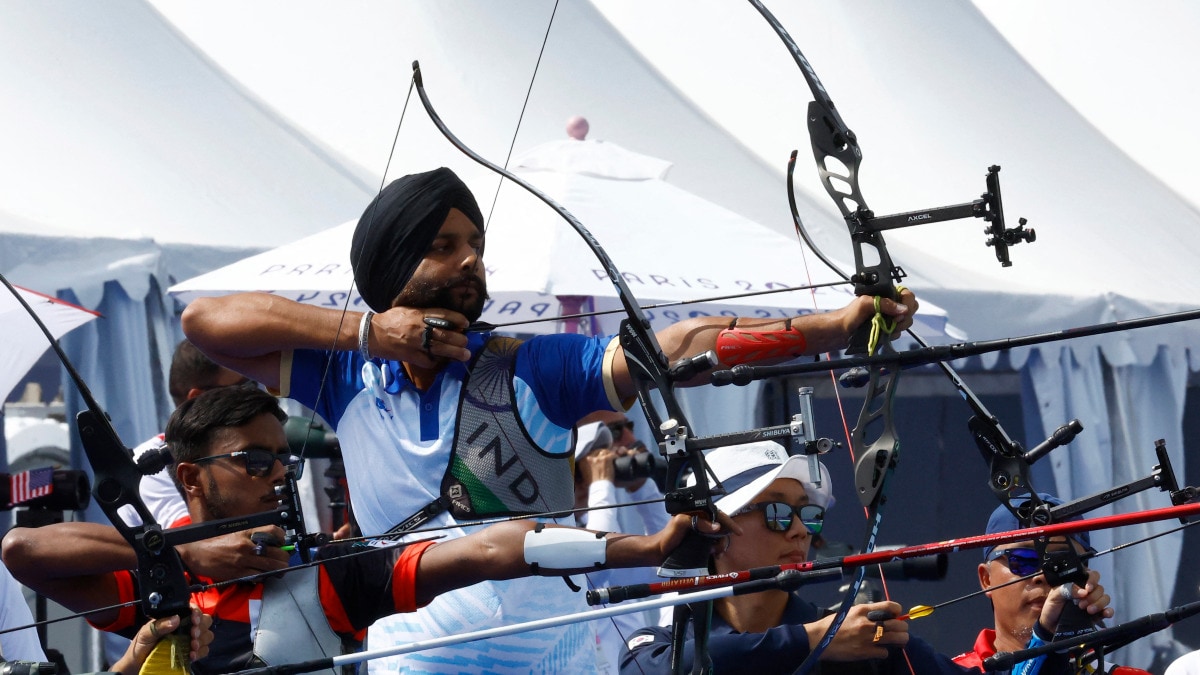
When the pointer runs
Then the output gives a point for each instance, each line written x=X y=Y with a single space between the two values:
x=230 y=557
x=779 y=507
x=1026 y=610
x=231 y=454
x=191 y=374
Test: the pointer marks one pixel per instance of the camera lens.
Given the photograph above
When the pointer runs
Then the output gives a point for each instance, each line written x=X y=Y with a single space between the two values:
x=629 y=468
x=312 y=439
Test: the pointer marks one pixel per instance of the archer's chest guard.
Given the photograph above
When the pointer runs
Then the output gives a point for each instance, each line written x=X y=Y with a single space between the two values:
x=495 y=467
x=292 y=626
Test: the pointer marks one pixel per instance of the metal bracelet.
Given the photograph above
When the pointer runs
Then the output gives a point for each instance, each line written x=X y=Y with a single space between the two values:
x=364 y=332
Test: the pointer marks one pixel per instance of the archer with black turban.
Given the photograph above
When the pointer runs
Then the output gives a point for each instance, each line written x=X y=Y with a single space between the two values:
x=437 y=422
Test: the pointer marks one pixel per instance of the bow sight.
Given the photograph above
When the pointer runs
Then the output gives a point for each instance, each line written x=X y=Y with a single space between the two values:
x=989 y=207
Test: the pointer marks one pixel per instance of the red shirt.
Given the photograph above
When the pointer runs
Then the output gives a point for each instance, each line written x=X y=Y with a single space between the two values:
x=985 y=646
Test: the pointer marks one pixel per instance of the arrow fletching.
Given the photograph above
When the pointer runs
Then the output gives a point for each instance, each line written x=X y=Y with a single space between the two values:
x=918 y=611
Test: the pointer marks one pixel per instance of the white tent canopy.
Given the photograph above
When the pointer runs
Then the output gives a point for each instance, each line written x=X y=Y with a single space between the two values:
x=120 y=127
x=131 y=161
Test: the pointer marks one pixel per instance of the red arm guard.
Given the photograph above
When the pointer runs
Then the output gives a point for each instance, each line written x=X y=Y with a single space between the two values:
x=736 y=345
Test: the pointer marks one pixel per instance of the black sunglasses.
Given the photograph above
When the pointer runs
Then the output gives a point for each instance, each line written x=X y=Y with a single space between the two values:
x=778 y=515
x=1020 y=561
x=259 y=462
x=617 y=428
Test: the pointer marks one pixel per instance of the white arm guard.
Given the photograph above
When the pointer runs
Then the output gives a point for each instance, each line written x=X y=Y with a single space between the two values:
x=563 y=548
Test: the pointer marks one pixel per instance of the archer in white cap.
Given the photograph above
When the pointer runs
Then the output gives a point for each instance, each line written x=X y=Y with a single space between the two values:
x=779 y=507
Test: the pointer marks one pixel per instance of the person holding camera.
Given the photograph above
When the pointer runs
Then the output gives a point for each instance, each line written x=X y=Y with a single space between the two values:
x=612 y=469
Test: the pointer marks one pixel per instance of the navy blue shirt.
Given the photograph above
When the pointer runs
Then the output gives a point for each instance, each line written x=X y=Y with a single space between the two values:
x=779 y=650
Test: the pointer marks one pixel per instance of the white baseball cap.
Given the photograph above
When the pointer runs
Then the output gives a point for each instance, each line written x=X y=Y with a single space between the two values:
x=746 y=470
x=591 y=437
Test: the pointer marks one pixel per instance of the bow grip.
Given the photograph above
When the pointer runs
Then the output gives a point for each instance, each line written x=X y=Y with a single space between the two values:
x=878 y=615
x=860 y=339
x=689 y=559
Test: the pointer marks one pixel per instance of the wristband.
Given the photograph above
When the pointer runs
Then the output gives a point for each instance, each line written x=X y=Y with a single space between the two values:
x=364 y=332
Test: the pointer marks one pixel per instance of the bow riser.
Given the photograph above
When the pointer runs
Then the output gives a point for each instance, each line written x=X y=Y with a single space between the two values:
x=160 y=571
x=877 y=457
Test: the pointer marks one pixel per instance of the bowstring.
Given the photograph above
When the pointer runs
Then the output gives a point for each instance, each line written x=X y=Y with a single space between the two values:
x=312 y=416
x=661 y=305
x=521 y=116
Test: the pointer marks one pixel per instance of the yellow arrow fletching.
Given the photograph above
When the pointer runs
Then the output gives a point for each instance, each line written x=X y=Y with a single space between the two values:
x=919 y=611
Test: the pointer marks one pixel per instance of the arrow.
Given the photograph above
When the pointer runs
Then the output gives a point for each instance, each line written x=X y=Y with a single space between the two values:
x=619 y=593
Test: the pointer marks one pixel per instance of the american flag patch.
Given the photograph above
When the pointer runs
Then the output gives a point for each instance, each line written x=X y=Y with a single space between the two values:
x=30 y=485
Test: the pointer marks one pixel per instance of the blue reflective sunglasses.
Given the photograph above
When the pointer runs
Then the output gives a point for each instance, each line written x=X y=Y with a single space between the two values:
x=1020 y=561
x=778 y=515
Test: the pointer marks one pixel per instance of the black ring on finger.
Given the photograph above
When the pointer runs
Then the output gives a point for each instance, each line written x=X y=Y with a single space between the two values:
x=427 y=338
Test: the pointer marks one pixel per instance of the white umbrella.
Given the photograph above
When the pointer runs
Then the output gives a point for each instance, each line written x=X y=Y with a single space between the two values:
x=669 y=244
x=21 y=342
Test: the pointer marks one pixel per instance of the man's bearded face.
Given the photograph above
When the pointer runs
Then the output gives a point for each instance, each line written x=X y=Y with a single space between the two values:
x=465 y=294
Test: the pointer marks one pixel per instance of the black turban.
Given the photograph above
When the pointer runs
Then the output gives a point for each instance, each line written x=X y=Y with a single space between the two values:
x=398 y=227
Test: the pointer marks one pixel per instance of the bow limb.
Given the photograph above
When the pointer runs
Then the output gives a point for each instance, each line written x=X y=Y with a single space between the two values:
x=648 y=364
x=874 y=439
x=650 y=359
x=649 y=369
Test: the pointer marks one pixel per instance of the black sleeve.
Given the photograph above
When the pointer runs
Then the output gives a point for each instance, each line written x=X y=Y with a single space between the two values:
x=362 y=583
